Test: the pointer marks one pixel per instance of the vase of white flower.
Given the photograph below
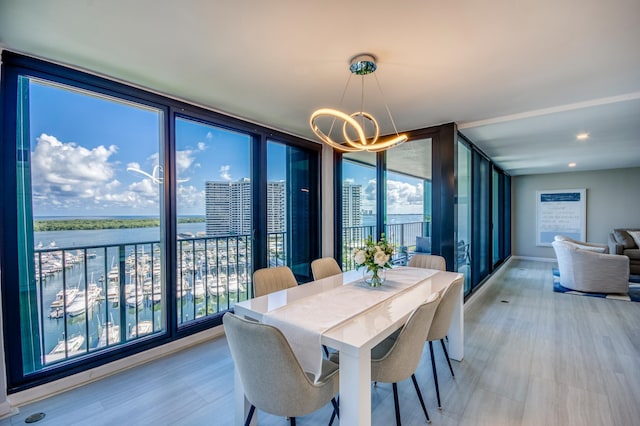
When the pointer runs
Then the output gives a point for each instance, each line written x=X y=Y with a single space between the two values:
x=375 y=258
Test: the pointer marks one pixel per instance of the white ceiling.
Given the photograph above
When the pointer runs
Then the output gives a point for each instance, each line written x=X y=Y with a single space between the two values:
x=521 y=79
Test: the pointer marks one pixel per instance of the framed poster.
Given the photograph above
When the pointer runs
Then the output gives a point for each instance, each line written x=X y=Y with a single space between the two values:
x=561 y=211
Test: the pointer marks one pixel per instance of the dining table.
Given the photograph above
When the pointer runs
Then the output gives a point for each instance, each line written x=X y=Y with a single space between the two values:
x=343 y=313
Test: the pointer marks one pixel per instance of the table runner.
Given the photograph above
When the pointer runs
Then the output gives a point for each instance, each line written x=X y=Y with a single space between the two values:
x=304 y=321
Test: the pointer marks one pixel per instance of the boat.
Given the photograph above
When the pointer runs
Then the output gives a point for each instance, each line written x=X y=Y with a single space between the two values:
x=110 y=335
x=64 y=298
x=66 y=349
x=144 y=327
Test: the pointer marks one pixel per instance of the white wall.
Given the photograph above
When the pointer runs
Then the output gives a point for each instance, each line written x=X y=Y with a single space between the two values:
x=613 y=201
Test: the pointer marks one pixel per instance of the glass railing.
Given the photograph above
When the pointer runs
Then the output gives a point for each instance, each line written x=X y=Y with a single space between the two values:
x=402 y=237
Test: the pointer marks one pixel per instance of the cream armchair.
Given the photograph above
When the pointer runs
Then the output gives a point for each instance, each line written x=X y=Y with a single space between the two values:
x=588 y=271
x=598 y=248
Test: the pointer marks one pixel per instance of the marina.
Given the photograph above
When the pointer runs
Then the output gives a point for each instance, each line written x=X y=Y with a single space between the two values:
x=104 y=295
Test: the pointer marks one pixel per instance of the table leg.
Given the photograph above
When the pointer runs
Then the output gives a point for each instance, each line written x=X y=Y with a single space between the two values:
x=242 y=406
x=456 y=330
x=355 y=387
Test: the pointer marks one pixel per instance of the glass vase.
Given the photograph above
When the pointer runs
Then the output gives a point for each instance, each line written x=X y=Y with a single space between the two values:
x=374 y=278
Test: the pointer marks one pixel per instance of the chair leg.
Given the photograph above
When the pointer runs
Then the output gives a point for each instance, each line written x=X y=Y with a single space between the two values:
x=435 y=374
x=397 y=404
x=292 y=421
x=424 y=408
x=446 y=354
x=336 y=410
x=250 y=415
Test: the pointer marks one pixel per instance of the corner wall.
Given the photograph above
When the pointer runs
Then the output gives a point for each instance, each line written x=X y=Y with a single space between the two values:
x=613 y=201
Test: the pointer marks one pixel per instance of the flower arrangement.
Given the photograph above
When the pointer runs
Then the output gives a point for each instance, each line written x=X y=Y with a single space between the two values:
x=375 y=257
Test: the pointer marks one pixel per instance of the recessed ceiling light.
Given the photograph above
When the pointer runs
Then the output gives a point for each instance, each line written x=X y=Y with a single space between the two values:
x=572 y=164
x=582 y=136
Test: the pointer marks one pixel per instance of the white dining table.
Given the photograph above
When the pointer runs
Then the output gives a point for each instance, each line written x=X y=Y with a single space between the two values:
x=356 y=336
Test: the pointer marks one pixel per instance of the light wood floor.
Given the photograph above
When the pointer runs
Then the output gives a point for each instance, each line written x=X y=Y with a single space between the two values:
x=543 y=358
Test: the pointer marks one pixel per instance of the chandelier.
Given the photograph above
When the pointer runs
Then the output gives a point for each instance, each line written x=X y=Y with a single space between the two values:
x=355 y=125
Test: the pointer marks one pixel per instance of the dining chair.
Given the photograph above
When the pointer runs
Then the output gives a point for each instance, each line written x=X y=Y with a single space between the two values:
x=397 y=357
x=440 y=326
x=271 y=375
x=325 y=267
x=268 y=280
x=428 y=261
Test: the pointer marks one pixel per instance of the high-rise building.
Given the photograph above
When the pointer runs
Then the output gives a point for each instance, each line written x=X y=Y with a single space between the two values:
x=228 y=207
x=276 y=207
x=351 y=204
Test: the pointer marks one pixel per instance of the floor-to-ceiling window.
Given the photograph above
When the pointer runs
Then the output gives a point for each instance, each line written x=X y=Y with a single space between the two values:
x=89 y=209
x=408 y=198
x=214 y=218
x=130 y=219
x=463 y=214
x=292 y=208
x=359 y=203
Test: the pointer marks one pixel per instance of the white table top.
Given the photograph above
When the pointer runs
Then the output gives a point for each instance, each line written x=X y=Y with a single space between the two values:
x=367 y=328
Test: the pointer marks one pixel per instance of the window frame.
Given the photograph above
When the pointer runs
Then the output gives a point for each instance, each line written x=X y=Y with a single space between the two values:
x=15 y=65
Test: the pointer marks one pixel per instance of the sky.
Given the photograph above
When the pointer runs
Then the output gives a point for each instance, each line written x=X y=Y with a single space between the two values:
x=404 y=193
x=95 y=156
x=98 y=156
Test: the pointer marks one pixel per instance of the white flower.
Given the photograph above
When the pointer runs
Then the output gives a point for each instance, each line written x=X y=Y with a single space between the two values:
x=360 y=257
x=380 y=258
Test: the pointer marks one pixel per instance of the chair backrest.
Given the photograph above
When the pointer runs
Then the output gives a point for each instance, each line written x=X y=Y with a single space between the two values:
x=444 y=314
x=271 y=375
x=268 y=280
x=325 y=267
x=402 y=359
x=428 y=261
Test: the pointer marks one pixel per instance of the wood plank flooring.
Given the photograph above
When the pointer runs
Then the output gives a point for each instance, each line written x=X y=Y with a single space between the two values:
x=543 y=358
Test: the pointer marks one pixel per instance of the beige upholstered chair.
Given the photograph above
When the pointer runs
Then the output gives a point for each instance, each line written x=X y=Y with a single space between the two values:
x=598 y=248
x=588 y=271
x=268 y=280
x=440 y=326
x=271 y=375
x=397 y=357
x=428 y=261
x=325 y=267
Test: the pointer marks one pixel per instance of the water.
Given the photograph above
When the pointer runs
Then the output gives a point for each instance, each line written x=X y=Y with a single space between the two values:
x=392 y=219
x=91 y=324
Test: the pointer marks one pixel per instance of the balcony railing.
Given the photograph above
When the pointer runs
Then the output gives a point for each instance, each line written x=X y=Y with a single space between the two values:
x=94 y=297
x=402 y=236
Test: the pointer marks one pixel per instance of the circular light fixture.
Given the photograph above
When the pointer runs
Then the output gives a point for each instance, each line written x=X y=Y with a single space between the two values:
x=362 y=65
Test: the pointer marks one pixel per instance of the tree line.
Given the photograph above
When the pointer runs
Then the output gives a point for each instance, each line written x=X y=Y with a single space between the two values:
x=92 y=224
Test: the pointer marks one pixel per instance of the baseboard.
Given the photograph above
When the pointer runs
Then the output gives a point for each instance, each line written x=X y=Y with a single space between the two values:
x=47 y=390
x=6 y=410
x=537 y=259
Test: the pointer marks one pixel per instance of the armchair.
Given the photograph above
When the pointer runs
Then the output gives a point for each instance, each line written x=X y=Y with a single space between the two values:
x=591 y=272
x=598 y=248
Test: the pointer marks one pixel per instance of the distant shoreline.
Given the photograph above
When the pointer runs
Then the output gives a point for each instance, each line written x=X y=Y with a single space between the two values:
x=87 y=224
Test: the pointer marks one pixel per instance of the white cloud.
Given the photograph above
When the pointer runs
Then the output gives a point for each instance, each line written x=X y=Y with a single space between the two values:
x=69 y=177
x=402 y=197
x=224 y=172
x=202 y=146
x=209 y=135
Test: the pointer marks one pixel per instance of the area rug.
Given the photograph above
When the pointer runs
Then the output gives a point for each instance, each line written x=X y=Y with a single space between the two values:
x=633 y=296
